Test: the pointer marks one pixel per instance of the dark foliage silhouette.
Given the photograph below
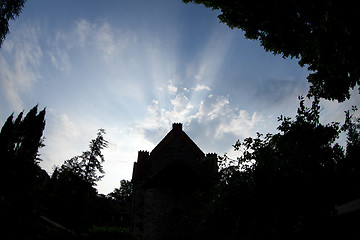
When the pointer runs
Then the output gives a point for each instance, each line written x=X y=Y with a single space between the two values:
x=72 y=193
x=88 y=165
x=322 y=34
x=123 y=193
x=21 y=176
x=65 y=206
x=73 y=201
x=9 y=10
x=286 y=185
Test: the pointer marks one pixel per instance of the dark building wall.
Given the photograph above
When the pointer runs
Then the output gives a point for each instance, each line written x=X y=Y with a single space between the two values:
x=165 y=212
x=165 y=184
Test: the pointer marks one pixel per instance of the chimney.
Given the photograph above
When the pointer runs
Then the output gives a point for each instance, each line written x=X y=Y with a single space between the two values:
x=177 y=127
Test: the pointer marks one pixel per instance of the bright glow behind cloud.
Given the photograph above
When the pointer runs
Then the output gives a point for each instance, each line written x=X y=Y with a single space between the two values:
x=129 y=83
x=134 y=69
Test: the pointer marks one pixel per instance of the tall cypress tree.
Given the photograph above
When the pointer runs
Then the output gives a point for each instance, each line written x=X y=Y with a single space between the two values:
x=20 y=140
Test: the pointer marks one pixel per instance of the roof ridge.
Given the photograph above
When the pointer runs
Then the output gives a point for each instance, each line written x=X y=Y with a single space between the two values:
x=175 y=131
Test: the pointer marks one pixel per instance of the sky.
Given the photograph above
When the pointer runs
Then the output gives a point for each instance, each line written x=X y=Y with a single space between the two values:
x=134 y=67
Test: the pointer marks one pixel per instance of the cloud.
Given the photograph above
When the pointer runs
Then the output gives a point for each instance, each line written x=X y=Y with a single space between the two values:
x=221 y=118
x=105 y=41
x=83 y=30
x=64 y=138
x=212 y=108
x=90 y=38
x=19 y=64
x=181 y=108
x=160 y=119
x=200 y=87
x=214 y=119
x=172 y=89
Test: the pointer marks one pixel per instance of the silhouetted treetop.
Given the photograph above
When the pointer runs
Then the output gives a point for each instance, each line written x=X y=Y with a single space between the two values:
x=20 y=174
x=322 y=34
x=88 y=165
x=21 y=138
x=123 y=193
x=9 y=9
x=288 y=185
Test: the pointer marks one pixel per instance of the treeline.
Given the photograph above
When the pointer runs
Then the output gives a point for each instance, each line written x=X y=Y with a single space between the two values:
x=66 y=204
x=288 y=185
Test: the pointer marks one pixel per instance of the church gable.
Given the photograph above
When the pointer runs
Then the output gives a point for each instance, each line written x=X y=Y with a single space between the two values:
x=165 y=182
x=177 y=141
x=176 y=147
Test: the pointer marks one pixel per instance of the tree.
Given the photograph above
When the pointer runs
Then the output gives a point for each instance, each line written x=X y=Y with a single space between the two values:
x=124 y=193
x=322 y=34
x=352 y=126
x=71 y=192
x=20 y=140
x=121 y=201
x=20 y=174
x=88 y=165
x=9 y=10
x=350 y=167
x=283 y=185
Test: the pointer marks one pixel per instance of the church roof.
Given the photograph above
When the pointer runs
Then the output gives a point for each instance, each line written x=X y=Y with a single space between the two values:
x=175 y=148
x=176 y=132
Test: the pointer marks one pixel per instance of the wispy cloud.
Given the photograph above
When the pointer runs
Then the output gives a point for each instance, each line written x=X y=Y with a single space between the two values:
x=19 y=65
x=64 y=138
x=200 y=87
x=98 y=38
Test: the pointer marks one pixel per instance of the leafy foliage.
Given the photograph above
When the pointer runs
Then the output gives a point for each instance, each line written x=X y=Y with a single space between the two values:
x=322 y=34
x=73 y=200
x=9 y=9
x=285 y=185
x=71 y=190
x=124 y=193
x=88 y=165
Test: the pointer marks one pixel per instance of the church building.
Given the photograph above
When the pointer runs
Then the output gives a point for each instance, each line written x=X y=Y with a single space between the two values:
x=166 y=183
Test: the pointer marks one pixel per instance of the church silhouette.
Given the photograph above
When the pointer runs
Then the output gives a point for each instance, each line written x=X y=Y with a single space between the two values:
x=166 y=182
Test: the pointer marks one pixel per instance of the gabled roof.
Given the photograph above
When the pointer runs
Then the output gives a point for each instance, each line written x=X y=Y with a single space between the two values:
x=176 y=132
x=174 y=147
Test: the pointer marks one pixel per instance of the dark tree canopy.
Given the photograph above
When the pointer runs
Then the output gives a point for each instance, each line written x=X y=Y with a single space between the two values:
x=9 y=10
x=88 y=166
x=20 y=140
x=322 y=34
x=21 y=177
x=66 y=205
x=287 y=185
x=123 y=193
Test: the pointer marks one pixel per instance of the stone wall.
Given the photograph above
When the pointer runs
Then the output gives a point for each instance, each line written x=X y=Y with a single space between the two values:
x=165 y=211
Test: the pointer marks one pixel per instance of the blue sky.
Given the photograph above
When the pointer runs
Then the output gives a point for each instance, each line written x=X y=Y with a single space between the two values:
x=133 y=67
